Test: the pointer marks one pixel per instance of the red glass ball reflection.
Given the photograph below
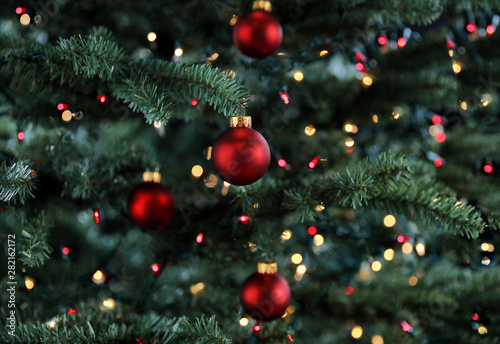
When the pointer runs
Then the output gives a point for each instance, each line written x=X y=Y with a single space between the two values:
x=257 y=34
x=151 y=206
x=265 y=296
x=241 y=156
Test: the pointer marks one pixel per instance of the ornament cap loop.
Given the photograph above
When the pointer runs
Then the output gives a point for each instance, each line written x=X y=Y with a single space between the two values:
x=240 y=122
x=151 y=177
x=262 y=5
x=267 y=268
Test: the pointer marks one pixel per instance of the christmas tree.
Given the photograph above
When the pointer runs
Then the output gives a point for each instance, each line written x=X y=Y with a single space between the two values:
x=249 y=172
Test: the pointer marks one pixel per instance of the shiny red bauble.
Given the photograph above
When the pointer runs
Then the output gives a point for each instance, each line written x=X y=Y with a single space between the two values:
x=265 y=296
x=257 y=34
x=241 y=156
x=151 y=206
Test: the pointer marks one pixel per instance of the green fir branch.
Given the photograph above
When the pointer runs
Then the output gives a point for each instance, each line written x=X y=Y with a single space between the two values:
x=212 y=85
x=143 y=95
x=17 y=182
x=35 y=248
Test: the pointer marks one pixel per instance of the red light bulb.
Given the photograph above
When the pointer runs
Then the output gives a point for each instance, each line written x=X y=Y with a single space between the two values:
x=401 y=42
x=194 y=102
x=312 y=230
x=97 y=216
x=490 y=29
x=20 y=135
x=440 y=137
x=71 y=311
x=382 y=40
x=243 y=219
x=471 y=27
x=475 y=317
x=488 y=168
x=313 y=162
x=65 y=250
x=348 y=290
x=199 y=238
x=438 y=162
x=102 y=98
x=360 y=56
x=281 y=162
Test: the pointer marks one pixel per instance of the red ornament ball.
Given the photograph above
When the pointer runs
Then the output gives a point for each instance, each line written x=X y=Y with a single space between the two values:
x=241 y=156
x=151 y=206
x=265 y=296
x=257 y=34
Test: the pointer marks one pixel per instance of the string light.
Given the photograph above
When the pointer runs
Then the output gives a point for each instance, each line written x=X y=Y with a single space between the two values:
x=377 y=340
x=296 y=258
x=20 y=10
x=440 y=137
x=244 y=321
x=360 y=67
x=389 y=254
x=97 y=216
x=67 y=115
x=20 y=136
x=256 y=328
x=438 y=162
x=286 y=235
x=382 y=40
x=375 y=118
x=71 y=311
x=98 y=277
x=29 y=283
x=401 y=42
x=436 y=119
x=420 y=248
x=475 y=317
x=157 y=124
x=456 y=68
x=413 y=281
x=244 y=219
x=178 y=52
x=211 y=181
x=486 y=261
x=471 y=27
x=482 y=330
x=151 y=36
x=109 y=304
x=301 y=269
x=488 y=168
x=463 y=105
x=298 y=76
x=319 y=207
x=233 y=20
x=407 y=248
x=310 y=130
x=405 y=326
x=402 y=238
x=487 y=247
x=376 y=266
x=284 y=97
x=357 y=332
x=197 y=171
x=199 y=238
x=367 y=81
x=25 y=19
x=197 y=288
x=348 y=290
x=207 y=153
x=313 y=162
x=389 y=221
x=312 y=230
x=323 y=53
x=318 y=240
x=52 y=324
x=281 y=162
x=490 y=29
x=65 y=251
x=349 y=142
x=63 y=106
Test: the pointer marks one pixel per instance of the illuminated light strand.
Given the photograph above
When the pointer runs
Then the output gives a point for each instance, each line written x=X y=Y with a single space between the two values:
x=97 y=216
x=348 y=290
x=438 y=162
x=450 y=44
x=71 y=311
x=63 y=106
x=360 y=67
x=440 y=137
x=382 y=40
x=102 y=98
x=312 y=230
x=20 y=136
x=436 y=119
x=313 y=162
x=65 y=251
x=21 y=10
x=284 y=97
x=401 y=42
x=405 y=326
x=403 y=238
x=488 y=168
x=490 y=30
x=194 y=102
x=156 y=269
x=360 y=57
x=244 y=219
x=199 y=238
x=281 y=162
x=471 y=27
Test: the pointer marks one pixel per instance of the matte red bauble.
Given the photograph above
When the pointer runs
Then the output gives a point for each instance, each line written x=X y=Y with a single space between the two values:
x=265 y=295
x=241 y=155
x=151 y=206
x=257 y=34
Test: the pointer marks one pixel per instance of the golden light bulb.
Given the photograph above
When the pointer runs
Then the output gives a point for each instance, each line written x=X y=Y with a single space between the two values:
x=151 y=36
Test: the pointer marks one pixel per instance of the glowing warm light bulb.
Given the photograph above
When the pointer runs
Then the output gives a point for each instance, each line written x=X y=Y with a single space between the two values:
x=98 y=277
x=487 y=247
x=211 y=181
x=207 y=153
x=310 y=130
x=199 y=238
x=389 y=254
x=357 y=332
x=377 y=340
x=401 y=42
x=67 y=115
x=482 y=330
x=348 y=290
x=407 y=248
x=413 y=281
x=376 y=266
x=52 y=324
x=301 y=269
x=178 y=52
x=244 y=321
x=375 y=118
x=349 y=142
x=109 y=304
x=323 y=53
x=197 y=171
x=471 y=27
x=233 y=20
x=318 y=240
x=456 y=68
x=197 y=288
x=348 y=128
x=298 y=76
x=367 y=81
x=490 y=29
x=286 y=235
x=151 y=36
x=29 y=283
x=389 y=221
x=25 y=19
x=296 y=258
x=463 y=105
x=486 y=261
x=360 y=67
x=420 y=248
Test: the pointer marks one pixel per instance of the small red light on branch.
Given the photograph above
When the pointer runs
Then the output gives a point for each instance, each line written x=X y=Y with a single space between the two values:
x=471 y=27
x=406 y=326
x=21 y=10
x=20 y=135
x=488 y=168
x=402 y=238
x=284 y=97
x=360 y=56
x=256 y=328
x=156 y=269
x=63 y=106
x=475 y=317
x=313 y=162
x=71 y=311
x=450 y=44
x=282 y=162
x=194 y=102
x=438 y=162
x=312 y=230
x=102 y=98
x=65 y=250
x=97 y=216
x=401 y=42
x=348 y=290
x=382 y=40
x=436 y=119
x=490 y=29
x=290 y=338
x=199 y=238
x=243 y=219
x=440 y=137
x=360 y=67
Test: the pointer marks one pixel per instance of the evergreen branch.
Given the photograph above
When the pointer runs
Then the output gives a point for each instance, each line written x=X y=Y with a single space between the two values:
x=17 y=182
x=34 y=246
x=203 y=331
x=90 y=57
x=203 y=82
x=142 y=95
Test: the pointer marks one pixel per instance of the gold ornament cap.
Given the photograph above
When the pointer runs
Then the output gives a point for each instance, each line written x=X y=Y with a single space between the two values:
x=267 y=268
x=240 y=122
x=151 y=177
x=262 y=5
